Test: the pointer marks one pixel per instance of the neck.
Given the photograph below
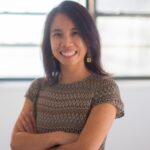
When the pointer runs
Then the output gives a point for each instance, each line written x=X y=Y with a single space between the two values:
x=73 y=74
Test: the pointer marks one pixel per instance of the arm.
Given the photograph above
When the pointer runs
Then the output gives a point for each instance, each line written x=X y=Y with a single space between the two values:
x=24 y=135
x=96 y=128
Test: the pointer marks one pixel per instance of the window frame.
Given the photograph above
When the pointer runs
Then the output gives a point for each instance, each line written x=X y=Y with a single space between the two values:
x=122 y=14
x=12 y=79
x=91 y=6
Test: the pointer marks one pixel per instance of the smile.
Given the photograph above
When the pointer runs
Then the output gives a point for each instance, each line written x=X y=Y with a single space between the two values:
x=68 y=54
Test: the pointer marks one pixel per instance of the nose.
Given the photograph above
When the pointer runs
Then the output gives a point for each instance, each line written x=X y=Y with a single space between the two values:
x=67 y=41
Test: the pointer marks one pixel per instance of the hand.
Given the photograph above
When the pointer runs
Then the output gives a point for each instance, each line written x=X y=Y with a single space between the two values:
x=71 y=146
x=26 y=122
x=66 y=137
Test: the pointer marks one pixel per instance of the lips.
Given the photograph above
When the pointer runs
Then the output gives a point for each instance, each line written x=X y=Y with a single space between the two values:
x=68 y=53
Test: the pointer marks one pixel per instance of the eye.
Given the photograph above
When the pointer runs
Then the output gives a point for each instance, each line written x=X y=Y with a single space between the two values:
x=57 y=34
x=75 y=33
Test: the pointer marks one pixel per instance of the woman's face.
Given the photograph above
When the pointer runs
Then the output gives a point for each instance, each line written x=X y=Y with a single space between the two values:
x=66 y=43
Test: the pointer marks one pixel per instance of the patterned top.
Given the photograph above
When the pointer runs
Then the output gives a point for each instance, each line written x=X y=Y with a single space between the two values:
x=66 y=107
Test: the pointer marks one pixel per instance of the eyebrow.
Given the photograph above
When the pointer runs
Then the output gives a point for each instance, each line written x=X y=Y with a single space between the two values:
x=56 y=30
x=59 y=30
x=74 y=28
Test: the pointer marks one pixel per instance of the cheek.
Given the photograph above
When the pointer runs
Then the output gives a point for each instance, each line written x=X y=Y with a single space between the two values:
x=54 y=43
x=83 y=47
x=80 y=42
x=53 y=47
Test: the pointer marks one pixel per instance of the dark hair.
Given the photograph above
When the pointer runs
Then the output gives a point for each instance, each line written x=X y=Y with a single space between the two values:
x=88 y=31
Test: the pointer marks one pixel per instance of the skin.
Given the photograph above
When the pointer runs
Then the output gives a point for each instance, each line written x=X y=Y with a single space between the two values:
x=25 y=137
x=65 y=38
x=96 y=129
x=69 y=49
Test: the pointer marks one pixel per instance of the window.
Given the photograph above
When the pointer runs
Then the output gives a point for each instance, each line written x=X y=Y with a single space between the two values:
x=124 y=29
x=21 y=31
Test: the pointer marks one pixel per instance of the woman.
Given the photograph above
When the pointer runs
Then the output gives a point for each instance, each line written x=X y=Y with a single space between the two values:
x=74 y=106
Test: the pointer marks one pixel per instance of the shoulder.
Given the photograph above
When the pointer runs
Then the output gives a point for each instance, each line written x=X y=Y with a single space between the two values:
x=107 y=91
x=104 y=82
x=38 y=82
x=34 y=88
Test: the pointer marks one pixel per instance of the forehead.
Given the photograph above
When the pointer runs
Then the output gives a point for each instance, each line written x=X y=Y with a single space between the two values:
x=61 y=20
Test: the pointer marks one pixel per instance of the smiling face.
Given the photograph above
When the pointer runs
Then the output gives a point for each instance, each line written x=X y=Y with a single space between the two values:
x=67 y=44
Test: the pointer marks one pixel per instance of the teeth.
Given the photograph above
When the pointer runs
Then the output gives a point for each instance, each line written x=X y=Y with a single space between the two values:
x=68 y=53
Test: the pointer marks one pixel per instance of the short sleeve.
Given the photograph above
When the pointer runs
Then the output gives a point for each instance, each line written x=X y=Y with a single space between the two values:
x=33 y=90
x=108 y=92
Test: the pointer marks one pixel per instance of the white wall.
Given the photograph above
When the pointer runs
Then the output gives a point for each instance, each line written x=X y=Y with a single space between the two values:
x=129 y=133
x=133 y=131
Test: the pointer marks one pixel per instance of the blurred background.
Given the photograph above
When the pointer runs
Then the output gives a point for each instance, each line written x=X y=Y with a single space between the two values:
x=125 y=38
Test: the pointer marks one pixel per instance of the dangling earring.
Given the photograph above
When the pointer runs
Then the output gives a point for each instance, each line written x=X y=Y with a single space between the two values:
x=88 y=59
x=54 y=72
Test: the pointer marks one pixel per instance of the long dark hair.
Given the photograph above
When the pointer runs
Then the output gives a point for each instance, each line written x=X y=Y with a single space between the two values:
x=88 y=31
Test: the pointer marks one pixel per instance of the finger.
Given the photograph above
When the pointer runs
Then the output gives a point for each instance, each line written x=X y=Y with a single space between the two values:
x=30 y=122
x=26 y=122
x=19 y=127
x=33 y=121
